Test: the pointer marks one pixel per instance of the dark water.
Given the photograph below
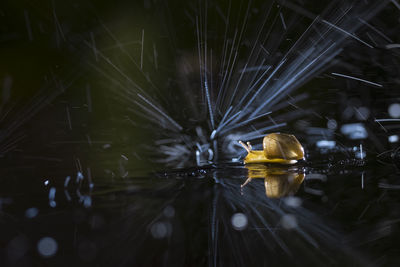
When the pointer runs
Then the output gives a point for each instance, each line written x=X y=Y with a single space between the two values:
x=344 y=213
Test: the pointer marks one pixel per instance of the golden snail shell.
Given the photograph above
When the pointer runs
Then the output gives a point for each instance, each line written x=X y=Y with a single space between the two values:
x=282 y=146
x=277 y=148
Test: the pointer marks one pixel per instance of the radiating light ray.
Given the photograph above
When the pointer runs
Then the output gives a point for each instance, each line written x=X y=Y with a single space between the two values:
x=372 y=39
x=257 y=134
x=125 y=52
x=391 y=46
x=68 y=118
x=256 y=68
x=283 y=21
x=347 y=33
x=210 y=108
x=228 y=121
x=395 y=3
x=255 y=95
x=58 y=27
x=161 y=112
x=357 y=79
x=199 y=50
x=245 y=87
x=141 y=53
x=292 y=79
x=225 y=115
x=386 y=120
x=253 y=85
x=250 y=58
x=28 y=25
x=234 y=49
x=294 y=83
x=245 y=122
x=226 y=78
x=237 y=85
x=224 y=49
x=376 y=30
x=94 y=46
x=9 y=136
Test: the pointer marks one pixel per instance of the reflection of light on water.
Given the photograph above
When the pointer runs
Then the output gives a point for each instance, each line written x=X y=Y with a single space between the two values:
x=47 y=247
x=289 y=221
x=278 y=181
x=292 y=201
x=393 y=138
x=354 y=131
x=161 y=230
x=239 y=221
x=52 y=195
x=394 y=110
x=169 y=211
x=31 y=212
x=184 y=213
x=332 y=124
x=326 y=144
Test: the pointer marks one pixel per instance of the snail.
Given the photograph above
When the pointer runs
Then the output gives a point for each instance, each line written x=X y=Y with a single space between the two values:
x=278 y=181
x=277 y=148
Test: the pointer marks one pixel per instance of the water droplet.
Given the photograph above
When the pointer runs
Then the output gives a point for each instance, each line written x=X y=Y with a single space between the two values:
x=293 y=202
x=394 y=110
x=169 y=211
x=393 y=138
x=332 y=124
x=354 y=131
x=31 y=213
x=239 y=221
x=159 y=230
x=289 y=221
x=326 y=144
x=47 y=247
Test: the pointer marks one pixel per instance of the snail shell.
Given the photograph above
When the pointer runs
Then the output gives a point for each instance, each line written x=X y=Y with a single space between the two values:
x=282 y=146
x=277 y=148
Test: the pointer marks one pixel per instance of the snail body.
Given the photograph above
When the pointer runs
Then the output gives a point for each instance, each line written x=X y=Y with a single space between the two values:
x=277 y=148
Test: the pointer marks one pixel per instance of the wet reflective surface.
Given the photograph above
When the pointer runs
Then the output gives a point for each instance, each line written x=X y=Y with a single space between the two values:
x=301 y=215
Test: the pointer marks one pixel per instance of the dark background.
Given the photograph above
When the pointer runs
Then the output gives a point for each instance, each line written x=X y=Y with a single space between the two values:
x=63 y=112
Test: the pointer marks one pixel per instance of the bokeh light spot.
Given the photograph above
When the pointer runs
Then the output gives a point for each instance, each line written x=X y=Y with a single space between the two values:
x=169 y=211
x=159 y=230
x=331 y=124
x=47 y=247
x=31 y=212
x=239 y=221
x=394 y=110
x=293 y=202
x=393 y=138
x=289 y=221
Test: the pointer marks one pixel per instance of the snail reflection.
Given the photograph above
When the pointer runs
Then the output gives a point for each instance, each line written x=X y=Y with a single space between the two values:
x=278 y=181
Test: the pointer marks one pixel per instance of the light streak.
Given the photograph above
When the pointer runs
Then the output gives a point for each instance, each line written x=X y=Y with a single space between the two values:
x=357 y=79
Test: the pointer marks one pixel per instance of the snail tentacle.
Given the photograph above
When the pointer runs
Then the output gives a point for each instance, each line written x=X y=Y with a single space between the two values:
x=248 y=148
